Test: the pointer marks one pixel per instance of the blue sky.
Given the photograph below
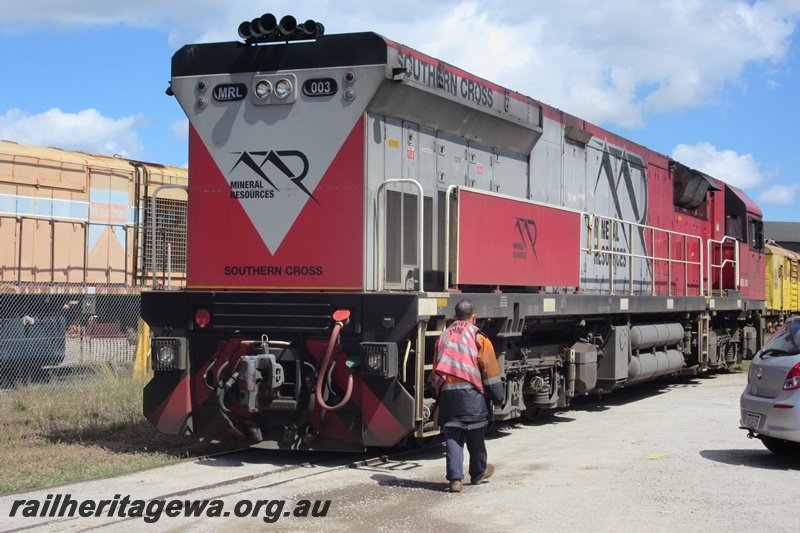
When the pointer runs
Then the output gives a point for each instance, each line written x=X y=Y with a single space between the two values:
x=712 y=83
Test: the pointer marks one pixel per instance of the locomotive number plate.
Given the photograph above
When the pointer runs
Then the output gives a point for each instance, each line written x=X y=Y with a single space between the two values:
x=320 y=87
x=752 y=420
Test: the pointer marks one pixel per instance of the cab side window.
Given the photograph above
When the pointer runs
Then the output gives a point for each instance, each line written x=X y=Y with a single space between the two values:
x=756 y=234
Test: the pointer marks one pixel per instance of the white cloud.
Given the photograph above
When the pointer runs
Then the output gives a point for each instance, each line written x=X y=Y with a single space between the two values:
x=741 y=171
x=609 y=62
x=473 y=40
x=87 y=130
x=781 y=195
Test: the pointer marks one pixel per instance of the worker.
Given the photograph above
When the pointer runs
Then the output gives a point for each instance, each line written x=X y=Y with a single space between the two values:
x=466 y=377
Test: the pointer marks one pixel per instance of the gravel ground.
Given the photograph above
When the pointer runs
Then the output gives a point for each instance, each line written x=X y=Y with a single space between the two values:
x=657 y=457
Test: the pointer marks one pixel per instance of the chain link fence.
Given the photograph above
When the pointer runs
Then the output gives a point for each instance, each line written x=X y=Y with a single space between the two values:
x=45 y=338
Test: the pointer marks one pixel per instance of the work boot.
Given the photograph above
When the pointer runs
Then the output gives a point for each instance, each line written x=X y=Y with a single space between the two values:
x=455 y=485
x=487 y=473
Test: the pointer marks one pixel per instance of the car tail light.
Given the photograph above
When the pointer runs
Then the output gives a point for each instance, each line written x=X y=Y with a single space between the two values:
x=793 y=379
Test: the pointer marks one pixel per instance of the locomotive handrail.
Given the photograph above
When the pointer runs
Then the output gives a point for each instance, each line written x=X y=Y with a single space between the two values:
x=420 y=237
x=594 y=246
x=723 y=263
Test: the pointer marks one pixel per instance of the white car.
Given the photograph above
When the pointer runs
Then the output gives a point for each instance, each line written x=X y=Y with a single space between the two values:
x=770 y=404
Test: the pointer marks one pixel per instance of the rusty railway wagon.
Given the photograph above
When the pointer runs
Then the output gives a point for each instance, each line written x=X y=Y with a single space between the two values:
x=346 y=191
x=76 y=247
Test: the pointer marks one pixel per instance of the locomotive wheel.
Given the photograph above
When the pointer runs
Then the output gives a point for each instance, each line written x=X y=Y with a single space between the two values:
x=530 y=413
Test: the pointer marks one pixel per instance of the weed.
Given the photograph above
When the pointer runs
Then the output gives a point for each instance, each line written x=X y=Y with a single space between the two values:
x=83 y=426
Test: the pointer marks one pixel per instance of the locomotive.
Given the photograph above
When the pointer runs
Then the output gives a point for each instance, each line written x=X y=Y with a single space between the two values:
x=346 y=191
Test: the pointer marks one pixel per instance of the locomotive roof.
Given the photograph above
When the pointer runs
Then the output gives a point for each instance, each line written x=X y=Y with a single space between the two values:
x=419 y=88
x=349 y=49
x=749 y=204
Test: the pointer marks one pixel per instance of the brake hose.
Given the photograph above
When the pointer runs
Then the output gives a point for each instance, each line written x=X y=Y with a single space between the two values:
x=324 y=366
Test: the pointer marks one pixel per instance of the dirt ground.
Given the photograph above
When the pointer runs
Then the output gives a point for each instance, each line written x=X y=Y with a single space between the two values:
x=658 y=457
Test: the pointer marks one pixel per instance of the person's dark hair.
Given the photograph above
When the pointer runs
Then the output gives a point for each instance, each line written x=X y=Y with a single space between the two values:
x=465 y=309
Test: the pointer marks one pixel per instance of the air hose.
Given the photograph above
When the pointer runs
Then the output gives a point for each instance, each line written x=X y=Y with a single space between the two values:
x=341 y=317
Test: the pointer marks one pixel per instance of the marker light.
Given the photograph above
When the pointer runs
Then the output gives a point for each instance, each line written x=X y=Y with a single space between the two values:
x=202 y=317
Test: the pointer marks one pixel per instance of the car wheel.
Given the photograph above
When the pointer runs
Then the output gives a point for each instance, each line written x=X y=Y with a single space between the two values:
x=780 y=446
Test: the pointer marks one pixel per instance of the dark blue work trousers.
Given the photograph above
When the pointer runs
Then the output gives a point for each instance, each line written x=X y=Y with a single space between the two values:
x=454 y=436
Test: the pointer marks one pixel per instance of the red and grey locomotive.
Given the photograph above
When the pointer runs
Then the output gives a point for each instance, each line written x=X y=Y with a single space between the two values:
x=346 y=191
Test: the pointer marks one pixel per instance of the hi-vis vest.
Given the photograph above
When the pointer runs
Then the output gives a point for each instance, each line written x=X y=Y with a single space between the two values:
x=457 y=351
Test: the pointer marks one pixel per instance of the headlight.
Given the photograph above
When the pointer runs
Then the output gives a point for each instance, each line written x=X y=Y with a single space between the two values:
x=168 y=353
x=273 y=89
x=379 y=359
x=263 y=89
x=374 y=362
x=283 y=88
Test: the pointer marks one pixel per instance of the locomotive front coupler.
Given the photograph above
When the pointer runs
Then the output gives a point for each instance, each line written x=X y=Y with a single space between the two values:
x=260 y=377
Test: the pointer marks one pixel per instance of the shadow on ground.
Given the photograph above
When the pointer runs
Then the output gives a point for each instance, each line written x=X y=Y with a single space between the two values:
x=762 y=459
